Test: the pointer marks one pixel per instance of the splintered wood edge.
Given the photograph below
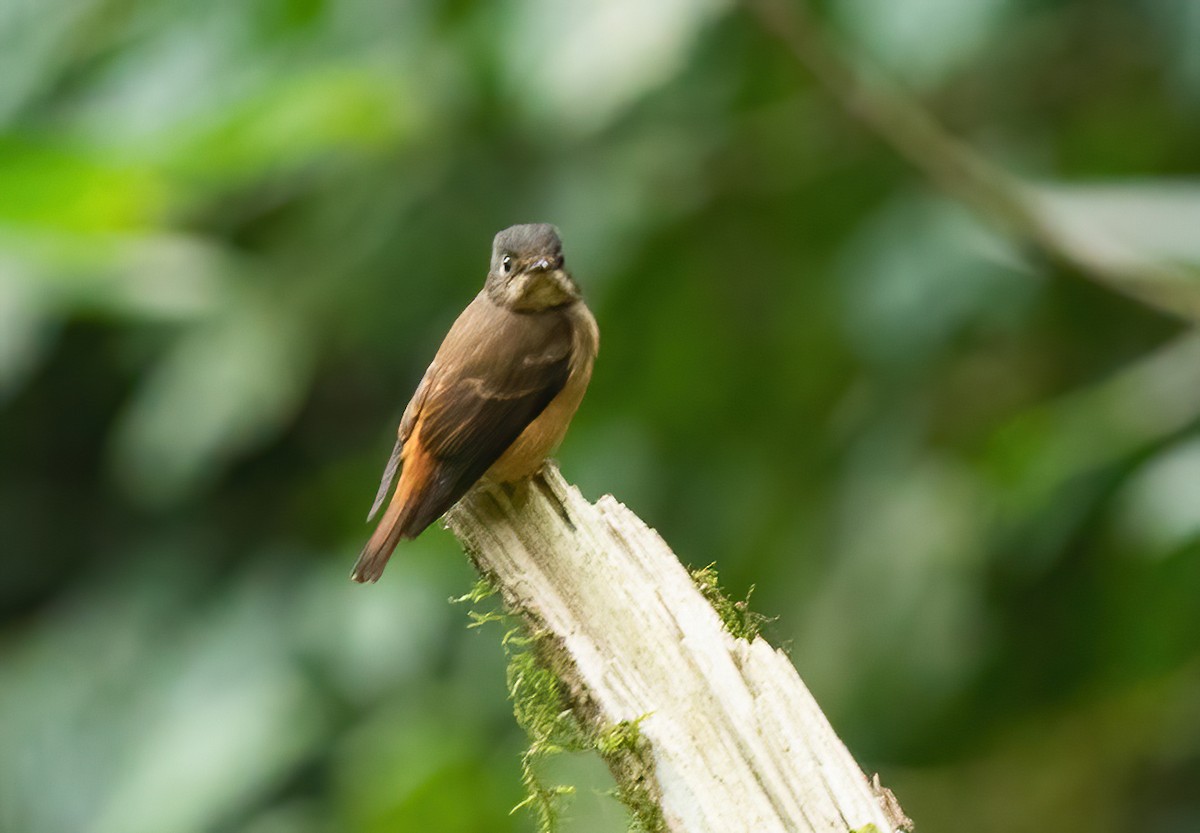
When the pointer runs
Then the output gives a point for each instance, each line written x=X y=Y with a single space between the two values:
x=734 y=740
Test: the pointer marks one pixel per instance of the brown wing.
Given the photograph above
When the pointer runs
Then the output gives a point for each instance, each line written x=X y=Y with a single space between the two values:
x=494 y=373
x=405 y=431
x=477 y=408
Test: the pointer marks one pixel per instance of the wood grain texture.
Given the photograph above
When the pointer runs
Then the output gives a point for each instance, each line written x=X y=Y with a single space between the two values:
x=736 y=741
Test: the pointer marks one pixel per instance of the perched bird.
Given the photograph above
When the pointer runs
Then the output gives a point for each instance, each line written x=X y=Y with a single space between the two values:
x=499 y=395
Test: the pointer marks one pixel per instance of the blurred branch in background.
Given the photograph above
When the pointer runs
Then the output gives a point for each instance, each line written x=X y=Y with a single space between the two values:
x=1129 y=238
x=1045 y=449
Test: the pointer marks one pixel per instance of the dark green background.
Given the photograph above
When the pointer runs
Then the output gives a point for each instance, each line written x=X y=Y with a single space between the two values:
x=966 y=482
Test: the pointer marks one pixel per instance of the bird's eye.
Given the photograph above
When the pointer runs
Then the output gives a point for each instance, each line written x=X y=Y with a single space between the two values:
x=506 y=264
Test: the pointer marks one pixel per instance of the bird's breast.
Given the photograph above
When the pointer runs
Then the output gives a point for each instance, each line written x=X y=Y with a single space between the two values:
x=542 y=436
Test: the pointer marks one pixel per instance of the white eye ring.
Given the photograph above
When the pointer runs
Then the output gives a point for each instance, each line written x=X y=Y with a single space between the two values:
x=506 y=264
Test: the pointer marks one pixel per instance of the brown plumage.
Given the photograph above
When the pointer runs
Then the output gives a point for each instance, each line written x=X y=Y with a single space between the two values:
x=499 y=395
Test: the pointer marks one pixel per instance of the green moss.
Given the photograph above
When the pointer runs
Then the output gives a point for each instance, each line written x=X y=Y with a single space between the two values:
x=866 y=828
x=629 y=757
x=483 y=589
x=483 y=617
x=737 y=617
x=539 y=705
x=537 y=698
x=620 y=737
x=543 y=710
x=647 y=815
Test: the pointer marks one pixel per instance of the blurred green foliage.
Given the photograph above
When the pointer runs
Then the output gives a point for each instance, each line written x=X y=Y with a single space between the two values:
x=966 y=482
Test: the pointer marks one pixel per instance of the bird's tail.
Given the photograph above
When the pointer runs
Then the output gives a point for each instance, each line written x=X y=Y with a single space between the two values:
x=382 y=543
x=419 y=499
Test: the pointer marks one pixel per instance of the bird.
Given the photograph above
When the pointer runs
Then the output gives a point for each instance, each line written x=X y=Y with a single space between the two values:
x=497 y=398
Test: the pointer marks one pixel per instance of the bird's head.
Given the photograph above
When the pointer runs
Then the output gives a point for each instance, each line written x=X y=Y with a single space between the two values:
x=527 y=272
